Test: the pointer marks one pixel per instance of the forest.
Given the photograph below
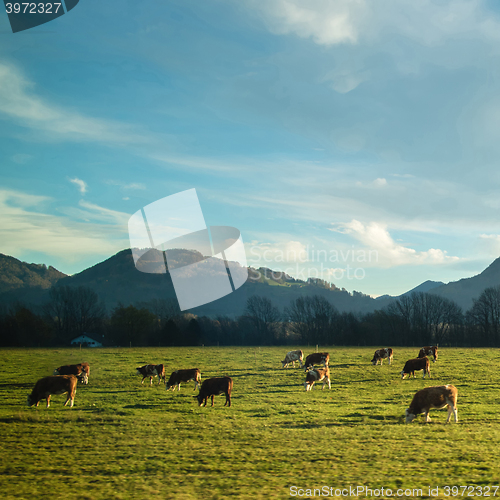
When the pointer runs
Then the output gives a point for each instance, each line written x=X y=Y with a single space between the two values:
x=411 y=320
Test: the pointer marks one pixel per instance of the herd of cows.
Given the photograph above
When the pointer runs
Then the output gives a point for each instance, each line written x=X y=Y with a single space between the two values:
x=65 y=378
x=425 y=399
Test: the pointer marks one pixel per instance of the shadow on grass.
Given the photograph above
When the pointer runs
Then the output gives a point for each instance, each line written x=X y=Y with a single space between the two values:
x=345 y=365
x=142 y=407
x=19 y=385
x=349 y=421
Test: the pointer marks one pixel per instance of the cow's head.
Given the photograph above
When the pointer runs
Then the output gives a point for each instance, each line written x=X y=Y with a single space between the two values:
x=31 y=400
x=83 y=378
x=56 y=372
x=199 y=399
x=409 y=417
x=374 y=361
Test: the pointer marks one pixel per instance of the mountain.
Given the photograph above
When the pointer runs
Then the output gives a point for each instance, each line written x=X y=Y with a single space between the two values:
x=116 y=280
x=20 y=279
x=426 y=286
x=464 y=290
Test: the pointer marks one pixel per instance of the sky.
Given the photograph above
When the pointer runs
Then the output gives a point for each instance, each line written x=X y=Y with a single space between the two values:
x=352 y=140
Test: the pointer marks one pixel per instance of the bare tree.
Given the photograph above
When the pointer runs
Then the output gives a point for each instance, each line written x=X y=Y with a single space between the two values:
x=264 y=316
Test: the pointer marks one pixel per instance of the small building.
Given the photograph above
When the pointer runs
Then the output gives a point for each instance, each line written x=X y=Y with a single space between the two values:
x=85 y=341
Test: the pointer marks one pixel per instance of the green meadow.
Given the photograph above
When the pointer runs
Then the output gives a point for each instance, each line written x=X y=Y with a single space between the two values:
x=124 y=440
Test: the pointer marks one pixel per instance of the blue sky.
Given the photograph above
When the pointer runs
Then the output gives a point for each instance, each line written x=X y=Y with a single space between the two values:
x=331 y=133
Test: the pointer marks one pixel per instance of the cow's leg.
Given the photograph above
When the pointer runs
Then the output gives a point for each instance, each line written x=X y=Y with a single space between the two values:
x=213 y=399
x=329 y=384
x=179 y=387
x=228 y=400
x=150 y=381
x=450 y=411
x=48 y=401
x=427 y=418
x=142 y=381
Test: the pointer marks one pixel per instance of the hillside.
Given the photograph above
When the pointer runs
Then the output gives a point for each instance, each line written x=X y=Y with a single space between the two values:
x=424 y=287
x=16 y=275
x=116 y=280
x=464 y=290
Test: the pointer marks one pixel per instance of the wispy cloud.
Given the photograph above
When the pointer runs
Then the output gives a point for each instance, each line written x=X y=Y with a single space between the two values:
x=27 y=226
x=19 y=102
x=82 y=185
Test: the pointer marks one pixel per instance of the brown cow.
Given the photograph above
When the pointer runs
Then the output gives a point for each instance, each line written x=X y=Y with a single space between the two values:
x=184 y=376
x=81 y=371
x=317 y=358
x=317 y=375
x=213 y=387
x=413 y=365
x=381 y=354
x=429 y=350
x=433 y=397
x=291 y=357
x=55 y=384
x=152 y=371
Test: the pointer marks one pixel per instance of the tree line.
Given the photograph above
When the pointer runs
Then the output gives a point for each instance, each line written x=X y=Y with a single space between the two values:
x=413 y=320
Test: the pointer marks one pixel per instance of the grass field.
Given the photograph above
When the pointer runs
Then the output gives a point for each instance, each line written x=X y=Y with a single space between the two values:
x=124 y=440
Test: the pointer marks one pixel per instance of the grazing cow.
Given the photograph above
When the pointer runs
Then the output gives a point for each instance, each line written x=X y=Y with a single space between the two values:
x=317 y=375
x=381 y=354
x=184 y=376
x=81 y=371
x=55 y=384
x=317 y=358
x=413 y=365
x=213 y=387
x=433 y=397
x=291 y=357
x=152 y=371
x=428 y=351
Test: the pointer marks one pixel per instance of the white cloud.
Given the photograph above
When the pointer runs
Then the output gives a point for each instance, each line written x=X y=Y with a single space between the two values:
x=82 y=185
x=123 y=185
x=19 y=102
x=96 y=212
x=268 y=254
x=379 y=182
x=328 y=22
x=376 y=237
x=21 y=158
x=26 y=226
